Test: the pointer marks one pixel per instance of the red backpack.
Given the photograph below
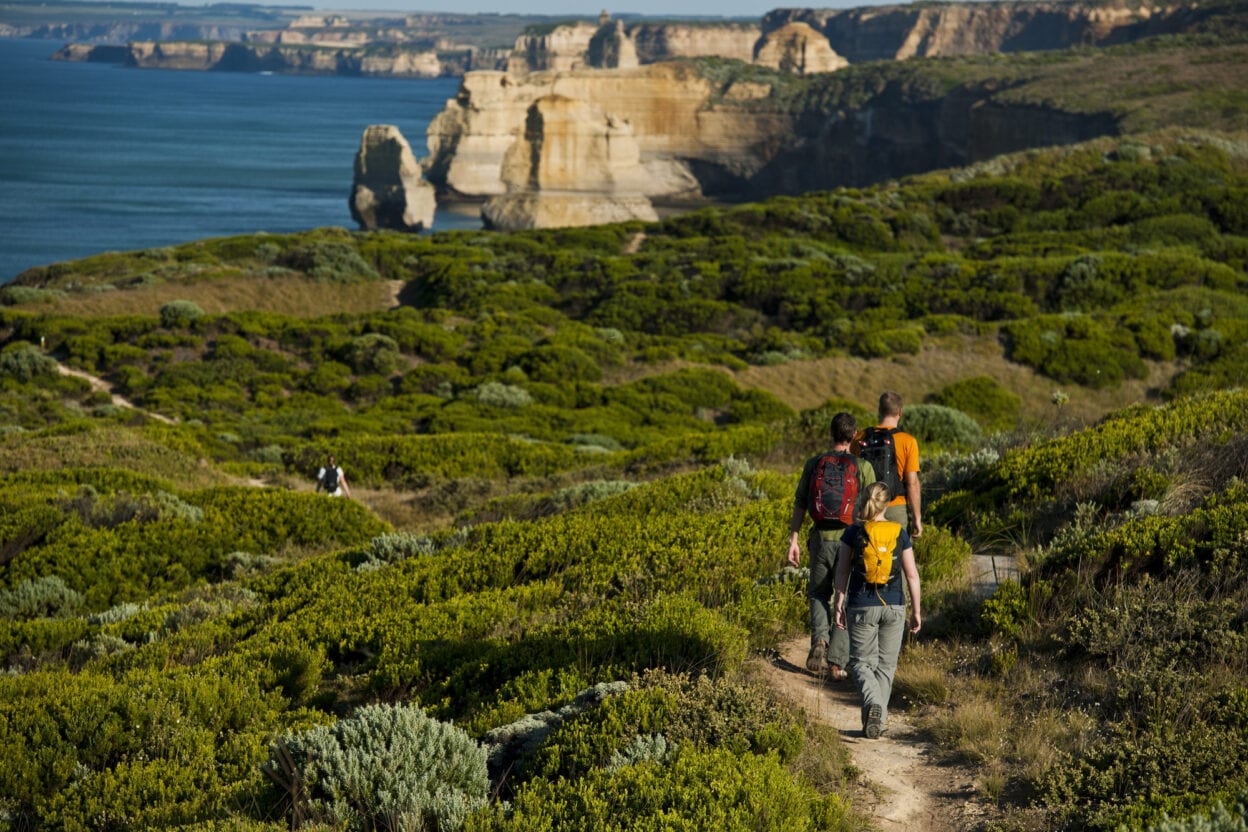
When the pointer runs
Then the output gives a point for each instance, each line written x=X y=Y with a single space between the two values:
x=834 y=488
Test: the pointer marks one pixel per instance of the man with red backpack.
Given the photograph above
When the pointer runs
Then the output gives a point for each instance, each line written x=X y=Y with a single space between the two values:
x=828 y=491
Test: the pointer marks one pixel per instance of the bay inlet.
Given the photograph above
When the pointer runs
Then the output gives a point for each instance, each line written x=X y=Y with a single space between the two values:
x=98 y=157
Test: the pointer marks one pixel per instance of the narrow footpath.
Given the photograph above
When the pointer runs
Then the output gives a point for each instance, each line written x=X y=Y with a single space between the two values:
x=99 y=385
x=905 y=787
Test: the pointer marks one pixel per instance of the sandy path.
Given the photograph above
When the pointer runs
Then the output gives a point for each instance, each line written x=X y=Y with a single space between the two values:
x=101 y=386
x=905 y=789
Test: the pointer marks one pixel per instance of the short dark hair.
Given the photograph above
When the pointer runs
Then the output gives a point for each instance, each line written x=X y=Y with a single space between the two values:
x=843 y=428
x=890 y=404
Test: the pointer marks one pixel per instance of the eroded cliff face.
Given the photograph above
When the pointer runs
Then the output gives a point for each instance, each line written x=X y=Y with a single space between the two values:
x=904 y=31
x=613 y=44
x=797 y=48
x=312 y=60
x=695 y=139
x=666 y=108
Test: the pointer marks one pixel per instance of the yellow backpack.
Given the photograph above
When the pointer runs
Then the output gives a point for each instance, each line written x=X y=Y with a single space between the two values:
x=877 y=543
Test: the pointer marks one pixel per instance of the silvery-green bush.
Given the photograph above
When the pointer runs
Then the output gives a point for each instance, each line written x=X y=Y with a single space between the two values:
x=41 y=597
x=177 y=313
x=25 y=363
x=940 y=425
x=497 y=394
x=387 y=767
x=1220 y=819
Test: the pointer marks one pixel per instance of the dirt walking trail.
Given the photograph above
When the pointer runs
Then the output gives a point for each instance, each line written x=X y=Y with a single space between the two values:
x=905 y=788
x=99 y=385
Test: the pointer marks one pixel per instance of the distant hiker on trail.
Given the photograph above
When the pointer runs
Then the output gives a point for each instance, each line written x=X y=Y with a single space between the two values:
x=871 y=603
x=895 y=457
x=332 y=481
x=828 y=491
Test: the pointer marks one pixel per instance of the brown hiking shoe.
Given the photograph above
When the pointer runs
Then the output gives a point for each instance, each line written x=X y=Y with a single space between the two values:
x=817 y=658
x=837 y=673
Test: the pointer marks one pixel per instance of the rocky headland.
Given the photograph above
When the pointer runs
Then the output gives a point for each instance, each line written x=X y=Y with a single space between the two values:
x=700 y=138
x=395 y=61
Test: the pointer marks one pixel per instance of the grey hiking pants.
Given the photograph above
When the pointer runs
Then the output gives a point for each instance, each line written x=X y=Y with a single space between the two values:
x=875 y=635
x=820 y=590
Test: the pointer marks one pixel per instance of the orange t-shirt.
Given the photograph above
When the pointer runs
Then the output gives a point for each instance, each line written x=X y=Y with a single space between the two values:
x=906 y=448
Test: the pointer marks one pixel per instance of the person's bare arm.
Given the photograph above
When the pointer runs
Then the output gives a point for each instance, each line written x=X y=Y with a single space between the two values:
x=842 y=582
x=916 y=595
x=795 y=528
x=914 y=496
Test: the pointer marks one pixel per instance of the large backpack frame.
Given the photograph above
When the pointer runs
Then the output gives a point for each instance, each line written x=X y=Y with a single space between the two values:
x=879 y=447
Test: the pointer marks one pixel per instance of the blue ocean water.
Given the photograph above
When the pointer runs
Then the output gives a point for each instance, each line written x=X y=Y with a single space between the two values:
x=98 y=157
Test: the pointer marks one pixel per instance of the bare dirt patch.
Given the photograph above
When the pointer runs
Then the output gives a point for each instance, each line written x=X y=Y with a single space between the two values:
x=902 y=785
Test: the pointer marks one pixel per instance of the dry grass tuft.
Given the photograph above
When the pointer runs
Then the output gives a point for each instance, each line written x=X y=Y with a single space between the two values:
x=922 y=676
x=808 y=384
x=294 y=296
x=973 y=729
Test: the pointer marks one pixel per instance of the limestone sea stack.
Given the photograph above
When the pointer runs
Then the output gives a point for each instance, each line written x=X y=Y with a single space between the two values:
x=389 y=190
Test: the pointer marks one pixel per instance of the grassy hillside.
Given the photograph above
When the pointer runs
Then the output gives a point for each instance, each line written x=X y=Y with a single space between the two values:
x=575 y=453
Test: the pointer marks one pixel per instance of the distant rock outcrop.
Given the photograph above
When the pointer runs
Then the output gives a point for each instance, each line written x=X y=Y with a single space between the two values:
x=389 y=191
x=668 y=111
x=797 y=48
x=397 y=62
x=881 y=33
x=571 y=165
x=614 y=44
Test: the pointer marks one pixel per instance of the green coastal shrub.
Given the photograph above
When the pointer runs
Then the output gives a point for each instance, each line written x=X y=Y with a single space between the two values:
x=713 y=789
x=387 y=767
x=328 y=261
x=374 y=353
x=25 y=363
x=937 y=425
x=1231 y=816
x=39 y=598
x=982 y=398
x=179 y=313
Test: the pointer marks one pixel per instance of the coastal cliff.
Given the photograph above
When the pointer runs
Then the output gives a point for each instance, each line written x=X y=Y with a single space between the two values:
x=740 y=138
x=308 y=59
x=897 y=32
x=318 y=60
x=667 y=108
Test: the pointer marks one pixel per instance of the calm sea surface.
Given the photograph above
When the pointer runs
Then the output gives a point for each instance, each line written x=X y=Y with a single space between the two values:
x=97 y=157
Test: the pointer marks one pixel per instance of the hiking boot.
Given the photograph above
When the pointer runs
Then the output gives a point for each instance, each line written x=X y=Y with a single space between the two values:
x=817 y=658
x=875 y=722
x=837 y=673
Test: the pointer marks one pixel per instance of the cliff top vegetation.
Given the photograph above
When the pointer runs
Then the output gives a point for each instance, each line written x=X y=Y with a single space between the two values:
x=573 y=468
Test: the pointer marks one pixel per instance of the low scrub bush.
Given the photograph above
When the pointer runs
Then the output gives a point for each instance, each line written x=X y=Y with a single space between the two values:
x=714 y=789
x=940 y=426
x=387 y=767
x=42 y=597
x=982 y=398
x=179 y=313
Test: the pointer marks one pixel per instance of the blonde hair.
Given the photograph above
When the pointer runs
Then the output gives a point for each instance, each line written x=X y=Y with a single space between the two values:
x=875 y=499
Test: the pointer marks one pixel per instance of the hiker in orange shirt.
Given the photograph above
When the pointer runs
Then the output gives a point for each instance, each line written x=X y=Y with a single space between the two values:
x=894 y=454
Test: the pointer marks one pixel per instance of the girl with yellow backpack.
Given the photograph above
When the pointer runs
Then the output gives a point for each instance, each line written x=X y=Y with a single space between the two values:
x=871 y=602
